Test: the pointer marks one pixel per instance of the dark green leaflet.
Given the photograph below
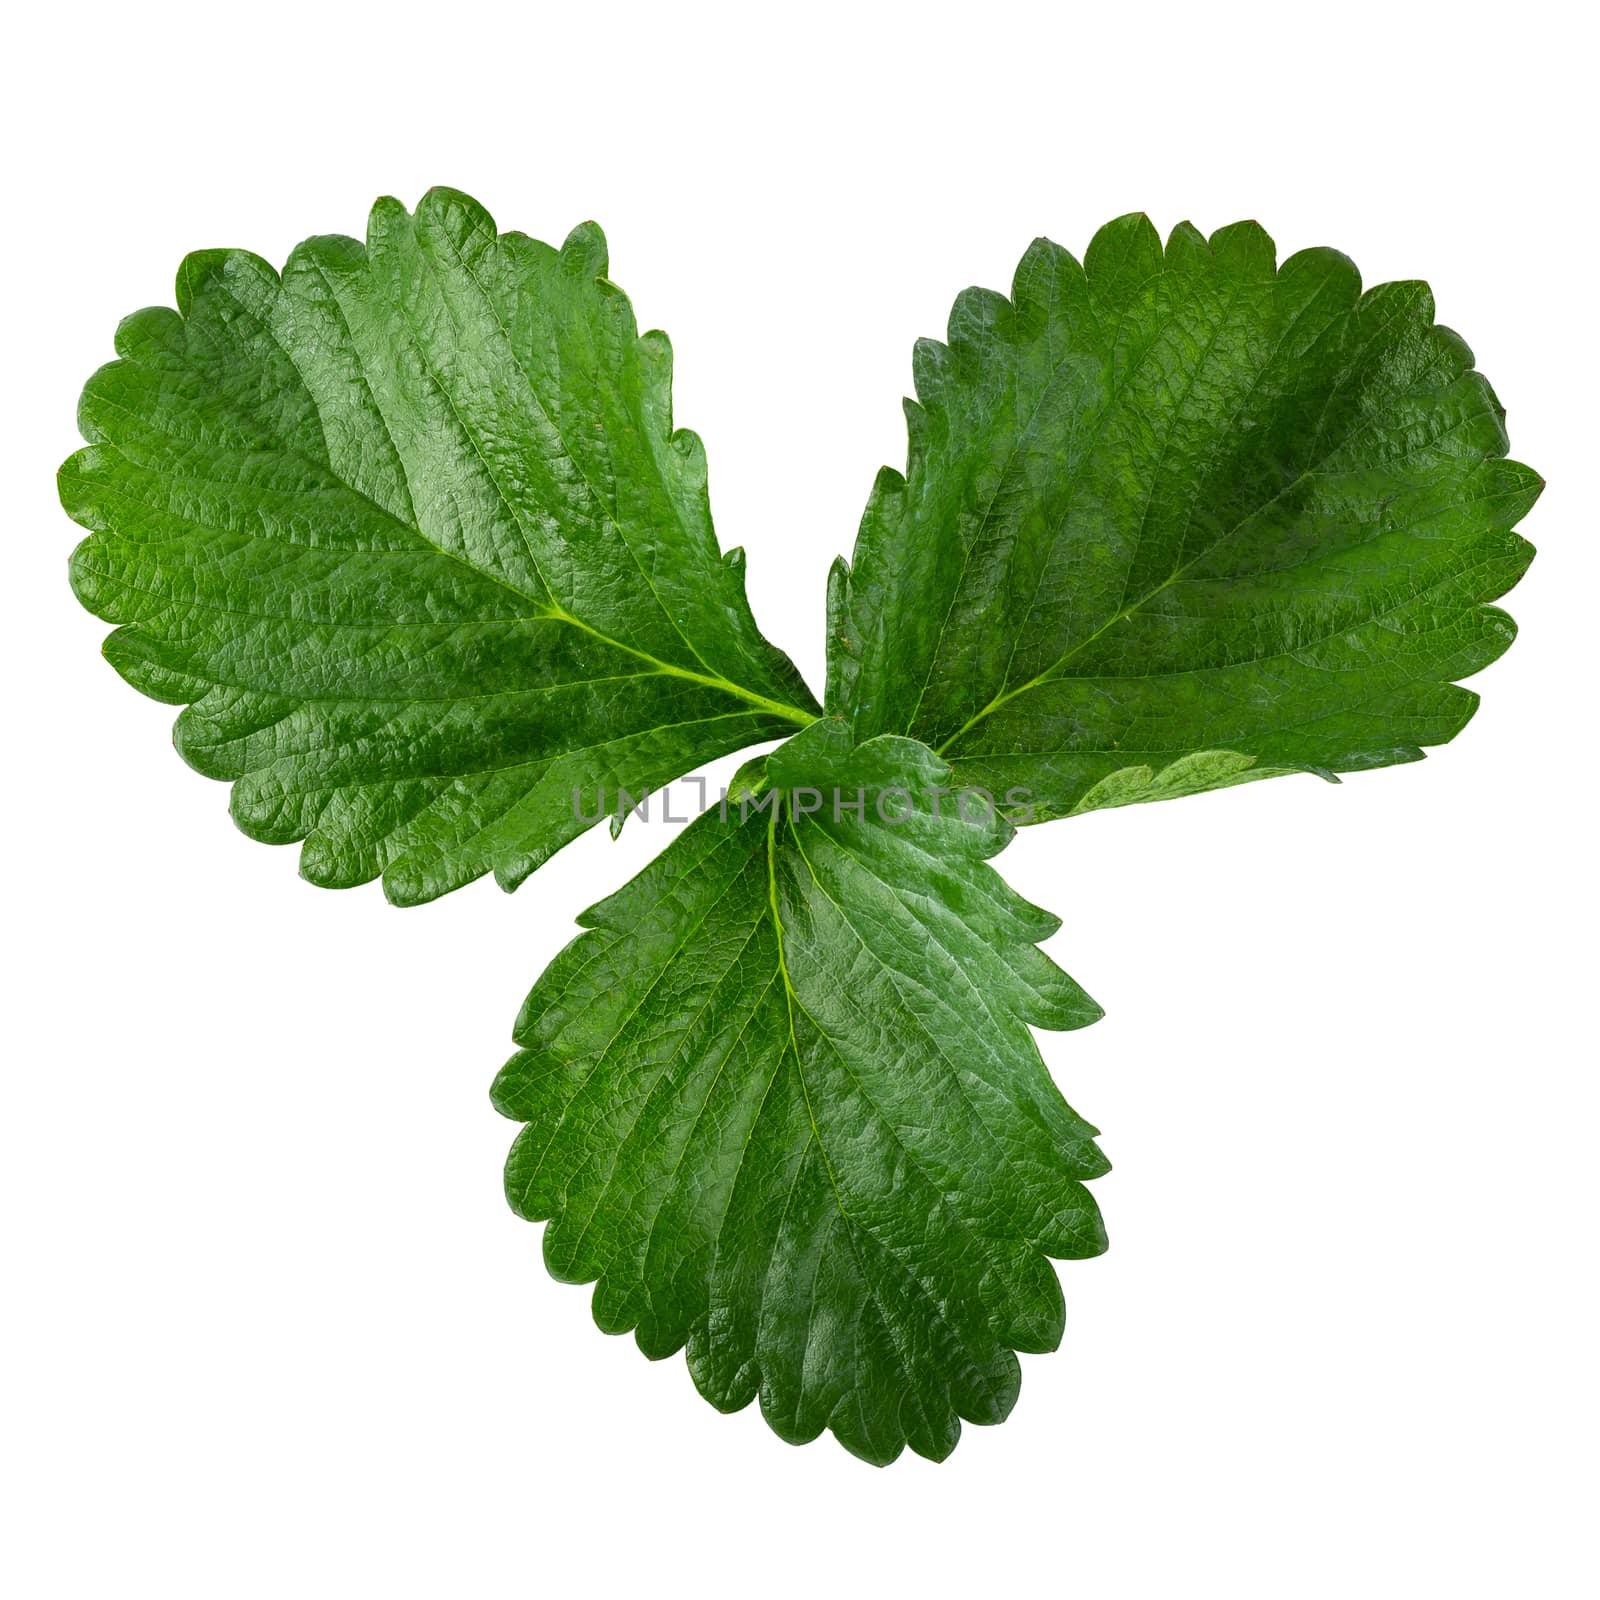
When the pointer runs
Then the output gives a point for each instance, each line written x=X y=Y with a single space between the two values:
x=1179 y=519
x=784 y=1105
x=412 y=531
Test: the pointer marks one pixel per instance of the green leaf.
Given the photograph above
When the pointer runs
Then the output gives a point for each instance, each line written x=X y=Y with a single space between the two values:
x=784 y=1107
x=1176 y=520
x=410 y=531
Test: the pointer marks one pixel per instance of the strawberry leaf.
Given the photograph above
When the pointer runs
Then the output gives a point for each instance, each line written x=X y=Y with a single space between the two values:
x=411 y=532
x=1179 y=519
x=784 y=1107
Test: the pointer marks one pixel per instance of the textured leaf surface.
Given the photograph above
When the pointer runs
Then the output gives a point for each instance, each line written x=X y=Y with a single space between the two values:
x=411 y=532
x=784 y=1108
x=1178 y=519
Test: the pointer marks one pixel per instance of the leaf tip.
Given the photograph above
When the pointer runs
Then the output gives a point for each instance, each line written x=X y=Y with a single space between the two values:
x=585 y=250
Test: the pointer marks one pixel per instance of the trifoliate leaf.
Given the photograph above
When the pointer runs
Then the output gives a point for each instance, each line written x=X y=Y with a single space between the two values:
x=784 y=1107
x=411 y=531
x=1175 y=520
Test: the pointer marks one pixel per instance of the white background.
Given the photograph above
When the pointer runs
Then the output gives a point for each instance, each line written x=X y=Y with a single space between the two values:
x=270 y=1327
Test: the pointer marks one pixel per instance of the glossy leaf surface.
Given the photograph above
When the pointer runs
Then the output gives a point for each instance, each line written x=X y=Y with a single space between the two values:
x=1175 y=519
x=784 y=1107
x=410 y=530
